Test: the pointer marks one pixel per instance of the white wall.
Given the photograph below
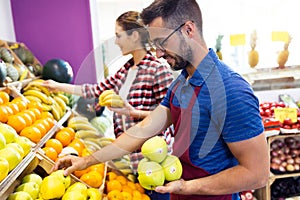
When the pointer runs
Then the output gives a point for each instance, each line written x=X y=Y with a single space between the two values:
x=6 y=22
x=229 y=17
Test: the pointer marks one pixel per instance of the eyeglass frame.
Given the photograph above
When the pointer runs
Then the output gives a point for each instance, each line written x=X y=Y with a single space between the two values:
x=160 y=47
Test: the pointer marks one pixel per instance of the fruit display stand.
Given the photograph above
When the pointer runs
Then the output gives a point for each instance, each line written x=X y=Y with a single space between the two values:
x=265 y=192
x=39 y=164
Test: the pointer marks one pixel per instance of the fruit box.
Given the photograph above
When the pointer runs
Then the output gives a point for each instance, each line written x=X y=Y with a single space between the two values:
x=40 y=165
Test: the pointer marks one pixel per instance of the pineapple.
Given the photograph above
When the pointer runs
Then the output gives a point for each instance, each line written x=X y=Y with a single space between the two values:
x=218 y=46
x=283 y=55
x=253 y=56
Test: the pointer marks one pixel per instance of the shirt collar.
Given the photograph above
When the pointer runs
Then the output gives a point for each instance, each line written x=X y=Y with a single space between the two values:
x=204 y=69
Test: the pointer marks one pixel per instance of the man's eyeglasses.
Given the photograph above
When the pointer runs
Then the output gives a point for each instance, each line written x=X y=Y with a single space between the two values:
x=159 y=44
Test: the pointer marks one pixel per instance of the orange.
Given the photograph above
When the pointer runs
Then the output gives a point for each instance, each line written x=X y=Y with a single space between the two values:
x=113 y=185
x=1 y=101
x=50 y=120
x=9 y=111
x=79 y=173
x=3 y=114
x=85 y=152
x=50 y=153
x=32 y=133
x=98 y=167
x=31 y=113
x=13 y=106
x=22 y=105
x=64 y=137
x=77 y=144
x=126 y=188
x=121 y=179
x=92 y=178
x=69 y=130
x=17 y=122
x=111 y=176
x=35 y=104
x=41 y=126
x=37 y=112
x=136 y=194
x=4 y=96
x=43 y=122
x=56 y=144
x=114 y=195
x=131 y=185
x=139 y=188
x=145 y=197
x=26 y=117
x=126 y=195
x=46 y=114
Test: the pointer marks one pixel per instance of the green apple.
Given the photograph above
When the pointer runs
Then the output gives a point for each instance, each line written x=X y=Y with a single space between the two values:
x=150 y=175
x=155 y=149
x=19 y=196
x=12 y=156
x=31 y=188
x=2 y=141
x=17 y=147
x=78 y=186
x=52 y=188
x=172 y=168
x=94 y=194
x=65 y=179
x=4 y=168
x=74 y=195
x=25 y=143
x=32 y=178
x=8 y=132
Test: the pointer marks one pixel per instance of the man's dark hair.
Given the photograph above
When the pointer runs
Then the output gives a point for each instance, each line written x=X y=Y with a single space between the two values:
x=173 y=13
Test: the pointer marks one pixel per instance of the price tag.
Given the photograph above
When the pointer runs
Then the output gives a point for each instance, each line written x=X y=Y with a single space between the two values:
x=283 y=113
x=237 y=39
x=281 y=36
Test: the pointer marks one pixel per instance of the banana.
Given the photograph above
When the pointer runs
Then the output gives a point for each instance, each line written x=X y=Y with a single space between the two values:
x=113 y=102
x=105 y=93
x=46 y=107
x=82 y=126
x=78 y=119
x=107 y=139
x=87 y=134
x=55 y=106
x=33 y=98
x=56 y=112
x=45 y=99
x=91 y=146
x=60 y=103
x=37 y=85
x=64 y=98
x=120 y=164
x=126 y=171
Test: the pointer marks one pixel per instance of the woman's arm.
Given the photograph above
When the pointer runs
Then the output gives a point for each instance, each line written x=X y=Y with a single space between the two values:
x=62 y=87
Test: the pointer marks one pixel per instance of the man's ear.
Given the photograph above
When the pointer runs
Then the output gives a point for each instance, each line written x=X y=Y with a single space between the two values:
x=189 y=28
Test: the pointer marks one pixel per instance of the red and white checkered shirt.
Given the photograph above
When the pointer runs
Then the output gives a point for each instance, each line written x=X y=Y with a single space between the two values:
x=147 y=91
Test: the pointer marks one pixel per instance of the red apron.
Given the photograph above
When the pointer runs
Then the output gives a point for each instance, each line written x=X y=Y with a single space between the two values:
x=181 y=148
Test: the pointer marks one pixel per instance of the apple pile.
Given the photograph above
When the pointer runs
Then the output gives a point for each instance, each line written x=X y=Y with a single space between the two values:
x=285 y=155
x=157 y=166
x=53 y=186
x=13 y=148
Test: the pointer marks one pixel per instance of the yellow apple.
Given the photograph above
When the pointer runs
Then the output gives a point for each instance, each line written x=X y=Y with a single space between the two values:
x=8 y=132
x=74 y=195
x=12 y=156
x=31 y=188
x=78 y=186
x=25 y=143
x=52 y=188
x=155 y=149
x=172 y=168
x=17 y=147
x=4 y=168
x=2 y=141
x=19 y=196
x=60 y=175
x=32 y=178
x=94 y=194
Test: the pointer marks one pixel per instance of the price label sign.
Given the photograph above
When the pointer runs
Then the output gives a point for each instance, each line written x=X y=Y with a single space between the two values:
x=281 y=36
x=282 y=113
x=237 y=39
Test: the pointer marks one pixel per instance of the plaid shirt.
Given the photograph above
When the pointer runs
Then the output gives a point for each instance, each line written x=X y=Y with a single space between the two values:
x=147 y=91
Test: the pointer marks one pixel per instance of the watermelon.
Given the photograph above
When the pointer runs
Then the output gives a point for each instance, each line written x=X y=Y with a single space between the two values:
x=58 y=70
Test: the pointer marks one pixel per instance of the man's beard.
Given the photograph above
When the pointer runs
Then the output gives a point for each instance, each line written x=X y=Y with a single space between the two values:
x=183 y=60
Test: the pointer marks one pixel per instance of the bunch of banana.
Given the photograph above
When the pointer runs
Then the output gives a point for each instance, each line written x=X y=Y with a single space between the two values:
x=56 y=103
x=123 y=165
x=111 y=99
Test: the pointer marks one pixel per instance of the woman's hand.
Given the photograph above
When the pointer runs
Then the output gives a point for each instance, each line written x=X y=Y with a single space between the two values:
x=51 y=85
x=70 y=164
x=126 y=110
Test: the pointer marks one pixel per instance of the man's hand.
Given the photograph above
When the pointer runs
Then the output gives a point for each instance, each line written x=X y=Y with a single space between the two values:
x=70 y=164
x=174 y=187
